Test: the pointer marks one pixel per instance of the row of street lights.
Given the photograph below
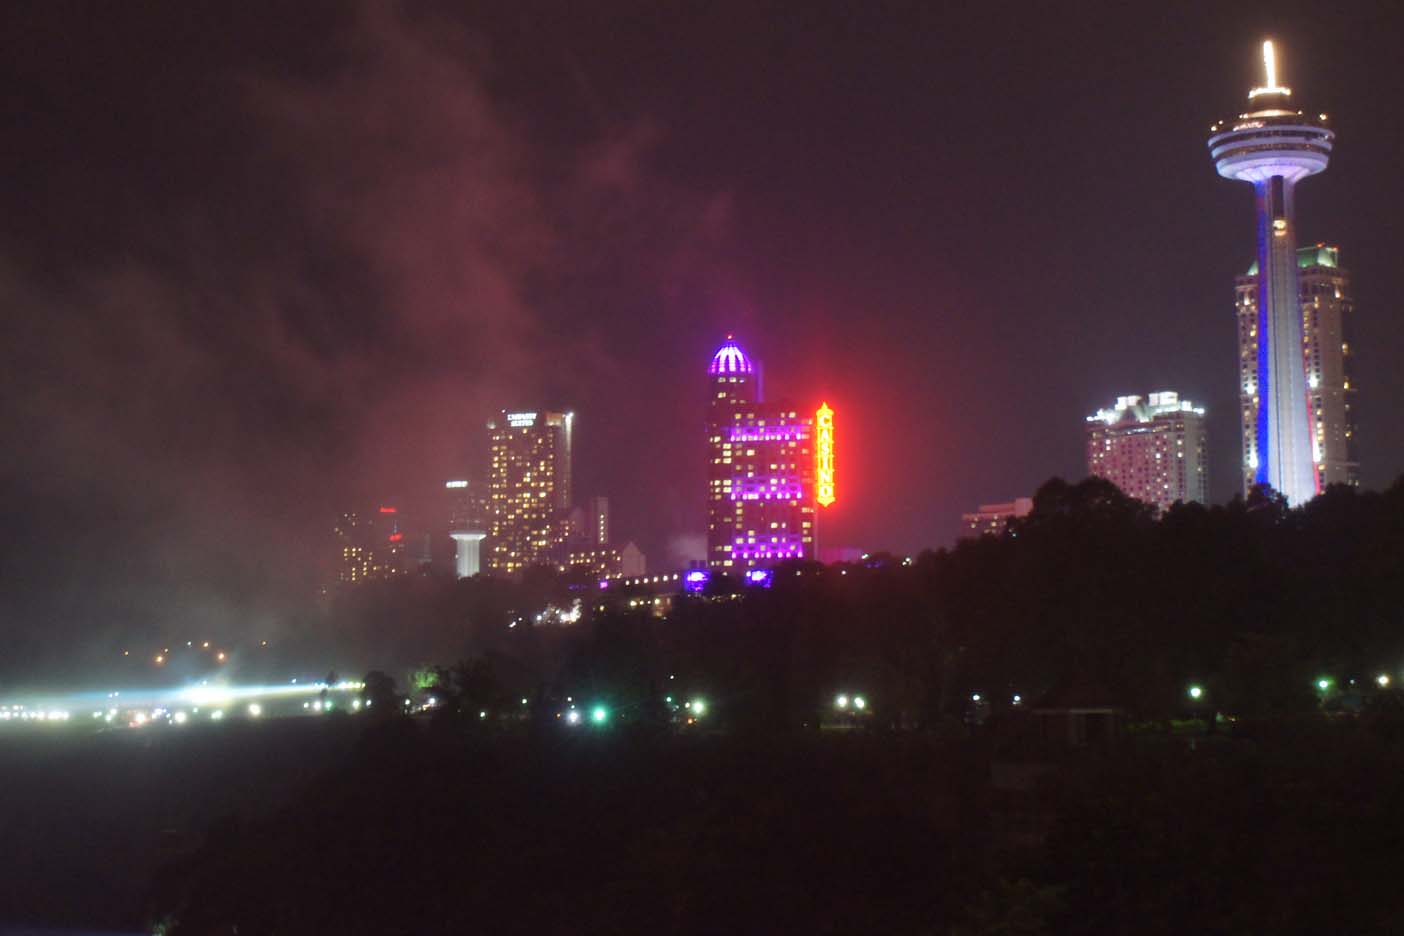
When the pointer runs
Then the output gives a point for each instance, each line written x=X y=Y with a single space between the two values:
x=1324 y=684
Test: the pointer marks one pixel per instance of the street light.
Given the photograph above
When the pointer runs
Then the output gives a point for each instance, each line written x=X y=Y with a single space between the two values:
x=1323 y=684
x=841 y=702
x=1383 y=680
x=859 y=703
x=1195 y=692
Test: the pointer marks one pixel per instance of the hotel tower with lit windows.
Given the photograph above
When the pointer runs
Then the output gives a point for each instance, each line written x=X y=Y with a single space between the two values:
x=528 y=489
x=1275 y=145
x=1327 y=308
x=1154 y=449
x=769 y=465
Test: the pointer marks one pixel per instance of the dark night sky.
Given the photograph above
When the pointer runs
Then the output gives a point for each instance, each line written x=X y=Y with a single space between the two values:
x=260 y=261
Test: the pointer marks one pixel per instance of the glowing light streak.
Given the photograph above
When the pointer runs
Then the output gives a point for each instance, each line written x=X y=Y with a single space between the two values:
x=824 y=455
x=1270 y=71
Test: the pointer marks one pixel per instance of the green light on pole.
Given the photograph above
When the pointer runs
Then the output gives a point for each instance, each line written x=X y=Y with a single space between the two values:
x=599 y=715
x=1195 y=692
x=698 y=707
x=1323 y=684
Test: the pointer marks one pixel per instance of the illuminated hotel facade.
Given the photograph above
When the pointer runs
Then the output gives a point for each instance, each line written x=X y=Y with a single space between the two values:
x=528 y=489
x=1326 y=356
x=761 y=467
x=1275 y=145
x=1154 y=450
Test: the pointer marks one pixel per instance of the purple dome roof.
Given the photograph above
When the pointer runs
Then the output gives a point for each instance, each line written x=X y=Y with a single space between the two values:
x=730 y=359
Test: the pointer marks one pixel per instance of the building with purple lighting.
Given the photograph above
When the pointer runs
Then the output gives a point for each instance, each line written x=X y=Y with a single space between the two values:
x=760 y=470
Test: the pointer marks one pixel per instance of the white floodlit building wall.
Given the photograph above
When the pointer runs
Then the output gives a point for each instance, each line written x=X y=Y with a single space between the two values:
x=467 y=556
x=1153 y=448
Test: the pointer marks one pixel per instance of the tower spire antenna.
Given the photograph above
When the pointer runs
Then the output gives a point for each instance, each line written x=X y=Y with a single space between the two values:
x=1270 y=73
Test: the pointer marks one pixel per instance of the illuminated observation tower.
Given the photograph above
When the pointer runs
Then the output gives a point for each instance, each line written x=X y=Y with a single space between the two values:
x=1274 y=146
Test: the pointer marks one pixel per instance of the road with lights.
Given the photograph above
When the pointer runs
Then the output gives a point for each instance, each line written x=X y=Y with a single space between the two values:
x=205 y=701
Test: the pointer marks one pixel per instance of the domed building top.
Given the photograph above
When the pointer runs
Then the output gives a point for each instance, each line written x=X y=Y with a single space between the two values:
x=730 y=359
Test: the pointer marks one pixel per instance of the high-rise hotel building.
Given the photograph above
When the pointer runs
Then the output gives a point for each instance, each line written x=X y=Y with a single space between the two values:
x=760 y=470
x=1274 y=145
x=528 y=489
x=1154 y=449
x=1326 y=311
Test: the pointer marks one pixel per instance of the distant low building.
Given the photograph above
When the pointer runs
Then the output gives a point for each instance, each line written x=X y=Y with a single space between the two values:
x=632 y=561
x=991 y=519
x=831 y=554
x=1080 y=716
x=607 y=561
x=604 y=563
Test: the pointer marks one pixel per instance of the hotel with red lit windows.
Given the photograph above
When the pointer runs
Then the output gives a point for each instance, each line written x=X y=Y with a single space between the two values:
x=760 y=469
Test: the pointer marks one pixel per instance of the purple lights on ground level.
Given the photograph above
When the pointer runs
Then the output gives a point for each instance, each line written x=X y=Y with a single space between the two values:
x=730 y=359
x=696 y=580
x=762 y=577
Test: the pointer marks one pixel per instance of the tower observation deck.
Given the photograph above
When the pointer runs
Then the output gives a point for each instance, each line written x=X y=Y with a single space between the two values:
x=1274 y=146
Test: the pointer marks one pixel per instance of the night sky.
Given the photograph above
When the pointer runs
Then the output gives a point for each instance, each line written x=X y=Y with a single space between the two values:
x=260 y=262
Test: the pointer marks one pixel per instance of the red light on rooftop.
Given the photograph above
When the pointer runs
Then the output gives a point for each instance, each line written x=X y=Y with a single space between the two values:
x=396 y=537
x=387 y=510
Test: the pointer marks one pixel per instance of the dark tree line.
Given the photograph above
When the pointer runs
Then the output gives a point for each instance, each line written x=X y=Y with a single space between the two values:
x=1252 y=601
